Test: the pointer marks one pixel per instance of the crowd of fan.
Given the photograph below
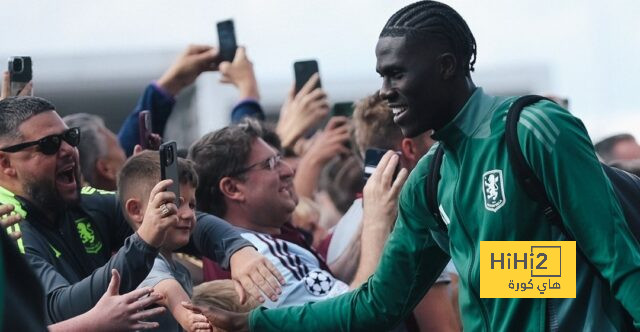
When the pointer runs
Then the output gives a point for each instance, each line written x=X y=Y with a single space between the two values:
x=298 y=200
x=269 y=215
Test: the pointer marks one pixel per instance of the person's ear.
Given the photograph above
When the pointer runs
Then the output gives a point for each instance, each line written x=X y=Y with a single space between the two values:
x=448 y=65
x=5 y=165
x=105 y=169
x=134 y=210
x=232 y=189
x=409 y=151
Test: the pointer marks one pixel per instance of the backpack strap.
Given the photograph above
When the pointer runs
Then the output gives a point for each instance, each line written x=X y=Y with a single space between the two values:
x=433 y=178
x=527 y=179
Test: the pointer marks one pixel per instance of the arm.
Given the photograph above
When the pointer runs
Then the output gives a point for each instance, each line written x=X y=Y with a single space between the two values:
x=64 y=300
x=159 y=98
x=251 y=272
x=240 y=73
x=301 y=111
x=343 y=266
x=380 y=199
x=555 y=143
x=115 y=312
x=326 y=145
x=173 y=295
x=215 y=239
x=410 y=263
x=154 y=99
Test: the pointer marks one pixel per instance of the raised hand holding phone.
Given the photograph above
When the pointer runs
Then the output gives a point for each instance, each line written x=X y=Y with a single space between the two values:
x=20 y=75
x=169 y=167
x=303 y=71
x=227 y=40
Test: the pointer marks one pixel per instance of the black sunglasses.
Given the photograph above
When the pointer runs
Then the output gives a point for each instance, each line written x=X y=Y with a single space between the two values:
x=50 y=144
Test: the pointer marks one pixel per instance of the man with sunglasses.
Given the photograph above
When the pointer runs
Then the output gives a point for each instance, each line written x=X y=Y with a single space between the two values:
x=70 y=234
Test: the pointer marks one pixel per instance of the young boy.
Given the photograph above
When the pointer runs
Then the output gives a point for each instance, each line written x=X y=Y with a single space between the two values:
x=139 y=189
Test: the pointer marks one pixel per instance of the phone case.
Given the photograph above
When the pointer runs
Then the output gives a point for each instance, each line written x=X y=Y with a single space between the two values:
x=227 y=40
x=303 y=71
x=144 y=125
x=20 y=72
x=169 y=167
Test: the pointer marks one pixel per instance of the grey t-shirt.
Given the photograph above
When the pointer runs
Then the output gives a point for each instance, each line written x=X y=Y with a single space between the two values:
x=162 y=270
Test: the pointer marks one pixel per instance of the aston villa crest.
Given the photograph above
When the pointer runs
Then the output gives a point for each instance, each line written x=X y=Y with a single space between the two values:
x=493 y=189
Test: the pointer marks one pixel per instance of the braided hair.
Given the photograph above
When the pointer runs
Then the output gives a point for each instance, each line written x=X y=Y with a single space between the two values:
x=434 y=18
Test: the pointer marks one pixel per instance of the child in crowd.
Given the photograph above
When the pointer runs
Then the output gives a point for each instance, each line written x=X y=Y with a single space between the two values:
x=139 y=188
x=221 y=294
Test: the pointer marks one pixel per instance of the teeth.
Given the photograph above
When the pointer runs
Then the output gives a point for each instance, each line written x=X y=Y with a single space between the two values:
x=398 y=110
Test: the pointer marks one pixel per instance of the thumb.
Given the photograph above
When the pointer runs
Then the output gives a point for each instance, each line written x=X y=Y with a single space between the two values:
x=6 y=85
x=241 y=54
x=242 y=295
x=224 y=66
x=292 y=92
x=114 y=284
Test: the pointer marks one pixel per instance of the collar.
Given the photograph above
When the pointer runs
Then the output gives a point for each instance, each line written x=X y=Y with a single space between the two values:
x=473 y=120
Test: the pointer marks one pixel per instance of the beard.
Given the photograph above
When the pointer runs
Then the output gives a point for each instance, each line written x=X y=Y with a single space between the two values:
x=45 y=195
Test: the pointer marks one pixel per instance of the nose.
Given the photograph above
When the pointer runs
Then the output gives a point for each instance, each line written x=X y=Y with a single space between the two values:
x=186 y=214
x=286 y=171
x=66 y=149
x=386 y=91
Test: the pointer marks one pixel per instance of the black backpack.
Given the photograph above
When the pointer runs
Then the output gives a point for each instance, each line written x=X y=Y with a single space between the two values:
x=625 y=185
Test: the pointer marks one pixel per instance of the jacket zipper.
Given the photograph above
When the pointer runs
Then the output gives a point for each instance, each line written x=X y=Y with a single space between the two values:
x=475 y=295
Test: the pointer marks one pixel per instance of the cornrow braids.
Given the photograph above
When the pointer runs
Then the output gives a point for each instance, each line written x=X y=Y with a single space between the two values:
x=431 y=17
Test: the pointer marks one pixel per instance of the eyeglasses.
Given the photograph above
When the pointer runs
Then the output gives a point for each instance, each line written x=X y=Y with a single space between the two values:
x=49 y=145
x=270 y=163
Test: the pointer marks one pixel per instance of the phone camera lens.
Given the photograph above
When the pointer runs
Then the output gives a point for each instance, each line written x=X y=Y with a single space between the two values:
x=18 y=66
x=170 y=156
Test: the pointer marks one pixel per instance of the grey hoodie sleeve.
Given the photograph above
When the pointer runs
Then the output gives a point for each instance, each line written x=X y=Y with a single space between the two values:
x=216 y=239
x=64 y=299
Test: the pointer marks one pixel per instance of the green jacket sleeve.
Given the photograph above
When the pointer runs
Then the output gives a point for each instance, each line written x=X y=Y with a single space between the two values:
x=410 y=263
x=559 y=151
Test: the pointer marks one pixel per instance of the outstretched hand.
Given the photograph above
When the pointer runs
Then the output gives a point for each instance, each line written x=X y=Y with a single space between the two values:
x=115 y=312
x=253 y=273
x=222 y=319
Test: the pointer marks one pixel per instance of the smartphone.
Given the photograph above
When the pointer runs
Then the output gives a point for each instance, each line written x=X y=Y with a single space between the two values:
x=372 y=159
x=169 y=167
x=144 y=125
x=227 y=40
x=303 y=71
x=342 y=109
x=20 y=72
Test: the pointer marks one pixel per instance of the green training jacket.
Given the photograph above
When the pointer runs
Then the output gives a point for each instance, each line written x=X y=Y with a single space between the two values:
x=558 y=149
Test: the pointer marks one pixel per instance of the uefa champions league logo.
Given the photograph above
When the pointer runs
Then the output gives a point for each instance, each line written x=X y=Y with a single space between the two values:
x=318 y=282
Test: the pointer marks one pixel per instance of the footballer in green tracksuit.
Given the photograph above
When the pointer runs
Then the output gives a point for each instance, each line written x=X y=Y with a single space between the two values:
x=425 y=54
x=554 y=143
